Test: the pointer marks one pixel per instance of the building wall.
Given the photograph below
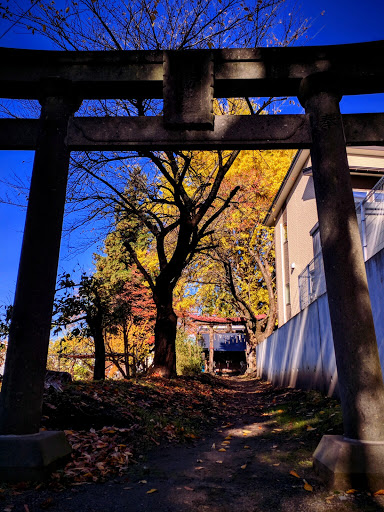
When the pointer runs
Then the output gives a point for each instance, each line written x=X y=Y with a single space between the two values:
x=280 y=272
x=300 y=216
x=300 y=354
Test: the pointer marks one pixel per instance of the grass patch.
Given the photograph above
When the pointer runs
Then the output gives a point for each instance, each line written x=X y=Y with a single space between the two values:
x=309 y=415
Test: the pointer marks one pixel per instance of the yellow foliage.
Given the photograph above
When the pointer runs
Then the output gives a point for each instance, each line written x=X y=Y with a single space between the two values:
x=240 y=237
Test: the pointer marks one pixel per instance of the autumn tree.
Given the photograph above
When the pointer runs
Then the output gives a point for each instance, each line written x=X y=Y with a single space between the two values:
x=239 y=274
x=111 y=306
x=173 y=195
x=73 y=354
x=129 y=336
x=85 y=309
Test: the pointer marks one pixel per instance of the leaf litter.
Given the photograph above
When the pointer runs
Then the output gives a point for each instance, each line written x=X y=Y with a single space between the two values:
x=124 y=420
x=110 y=425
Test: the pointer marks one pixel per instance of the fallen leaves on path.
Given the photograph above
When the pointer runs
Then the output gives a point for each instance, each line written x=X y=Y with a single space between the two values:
x=109 y=424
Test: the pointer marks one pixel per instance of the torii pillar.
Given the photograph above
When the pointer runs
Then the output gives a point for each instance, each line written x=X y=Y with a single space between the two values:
x=355 y=459
x=26 y=453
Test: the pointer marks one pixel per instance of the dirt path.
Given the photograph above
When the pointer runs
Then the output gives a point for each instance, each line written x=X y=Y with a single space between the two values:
x=242 y=465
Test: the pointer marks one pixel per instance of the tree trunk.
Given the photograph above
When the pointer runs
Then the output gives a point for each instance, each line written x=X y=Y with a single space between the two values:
x=99 y=370
x=134 y=365
x=126 y=350
x=251 y=358
x=253 y=331
x=98 y=339
x=164 y=364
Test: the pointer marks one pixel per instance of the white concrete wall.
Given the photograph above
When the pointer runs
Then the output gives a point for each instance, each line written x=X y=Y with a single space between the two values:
x=300 y=353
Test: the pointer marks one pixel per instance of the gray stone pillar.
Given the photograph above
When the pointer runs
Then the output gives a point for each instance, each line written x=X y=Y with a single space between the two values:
x=23 y=384
x=357 y=358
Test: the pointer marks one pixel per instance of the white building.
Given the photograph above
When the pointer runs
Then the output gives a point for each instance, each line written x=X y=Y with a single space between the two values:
x=297 y=240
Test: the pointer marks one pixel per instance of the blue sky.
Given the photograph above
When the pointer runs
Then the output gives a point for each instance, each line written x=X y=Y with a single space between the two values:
x=342 y=21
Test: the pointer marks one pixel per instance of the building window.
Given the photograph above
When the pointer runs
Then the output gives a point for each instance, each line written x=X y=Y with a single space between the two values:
x=287 y=294
x=315 y=234
x=316 y=243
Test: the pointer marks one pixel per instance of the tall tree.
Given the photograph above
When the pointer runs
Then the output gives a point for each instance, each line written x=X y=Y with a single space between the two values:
x=130 y=333
x=239 y=273
x=112 y=306
x=172 y=195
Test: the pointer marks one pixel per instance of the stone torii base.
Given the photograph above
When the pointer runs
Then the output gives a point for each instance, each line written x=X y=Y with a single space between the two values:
x=32 y=457
x=344 y=463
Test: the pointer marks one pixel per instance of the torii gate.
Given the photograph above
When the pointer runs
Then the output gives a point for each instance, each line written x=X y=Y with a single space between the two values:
x=188 y=81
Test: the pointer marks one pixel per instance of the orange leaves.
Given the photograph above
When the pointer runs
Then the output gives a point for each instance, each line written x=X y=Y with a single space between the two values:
x=96 y=455
x=191 y=436
x=308 y=487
